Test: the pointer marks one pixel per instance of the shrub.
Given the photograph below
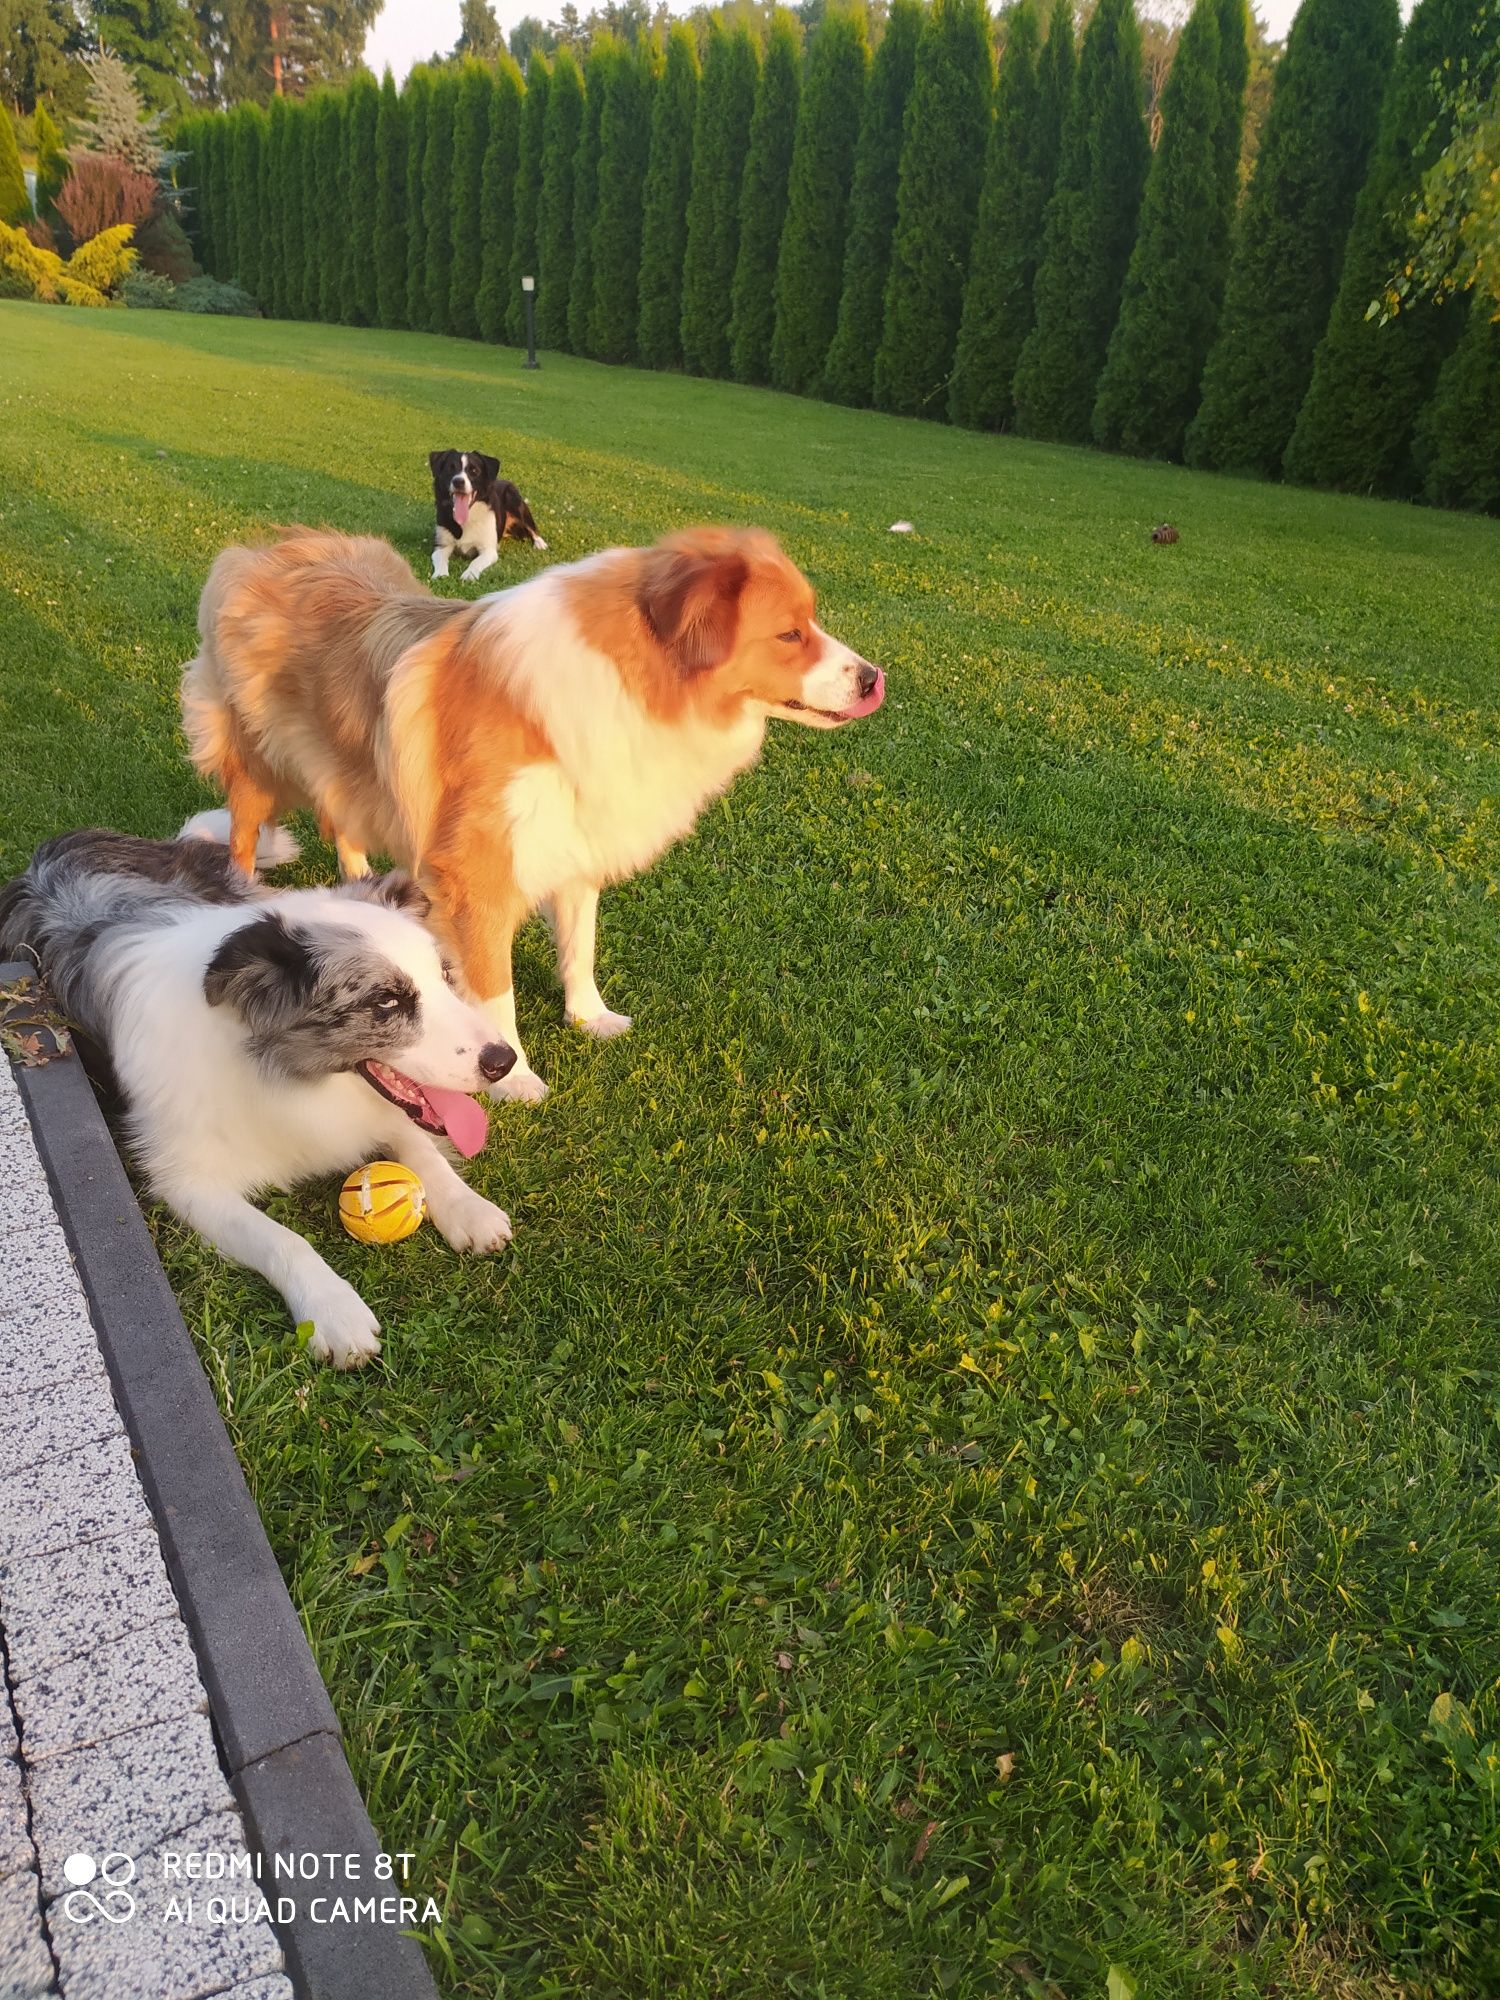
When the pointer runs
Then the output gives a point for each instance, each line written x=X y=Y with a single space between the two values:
x=211 y=295
x=164 y=248
x=148 y=291
x=497 y=197
x=1459 y=432
x=763 y=199
x=51 y=162
x=669 y=181
x=101 y=193
x=15 y=203
x=90 y=275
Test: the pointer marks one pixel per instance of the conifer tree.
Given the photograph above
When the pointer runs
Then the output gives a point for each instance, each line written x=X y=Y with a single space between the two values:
x=1090 y=232
x=1169 y=309
x=252 y=189
x=15 y=202
x=361 y=116
x=333 y=205
x=1008 y=233
x=669 y=180
x=721 y=138
x=763 y=201
x=849 y=370
x=523 y=256
x=1371 y=380
x=1289 y=241
x=437 y=201
x=51 y=161
x=273 y=220
x=497 y=196
x=1458 y=440
x=390 y=207
x=564 y=129
x=294 y=171
x=624 y=147
x=604 y=58
x=937 y=199
x=810 y=264
x=312 y=212
x=416 y=102
x=219 y=204
x=471 y=138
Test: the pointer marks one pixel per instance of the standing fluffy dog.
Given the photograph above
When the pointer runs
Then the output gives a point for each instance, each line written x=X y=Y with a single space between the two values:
x=518 y=751
x=262 y=1037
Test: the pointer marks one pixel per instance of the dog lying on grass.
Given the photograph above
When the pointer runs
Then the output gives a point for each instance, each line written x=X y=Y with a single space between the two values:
x=261 y=1037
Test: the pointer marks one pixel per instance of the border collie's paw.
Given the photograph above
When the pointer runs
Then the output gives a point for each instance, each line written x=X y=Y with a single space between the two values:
x=345 y=1331
x=604 y=1026
x=522 y=1086
x=474 y=1224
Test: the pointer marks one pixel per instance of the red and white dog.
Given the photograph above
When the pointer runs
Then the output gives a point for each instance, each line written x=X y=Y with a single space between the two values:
x=515 y=752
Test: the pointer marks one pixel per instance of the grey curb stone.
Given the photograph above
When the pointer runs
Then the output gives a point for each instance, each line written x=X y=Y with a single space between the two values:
x=115 y=1587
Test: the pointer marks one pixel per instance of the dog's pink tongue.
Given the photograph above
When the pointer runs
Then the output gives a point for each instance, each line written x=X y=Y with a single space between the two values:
x=870 y=702
x=460 y=508
x=464 y=1121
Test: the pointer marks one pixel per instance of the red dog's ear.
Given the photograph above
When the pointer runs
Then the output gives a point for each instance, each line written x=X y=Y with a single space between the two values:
x=690 y=598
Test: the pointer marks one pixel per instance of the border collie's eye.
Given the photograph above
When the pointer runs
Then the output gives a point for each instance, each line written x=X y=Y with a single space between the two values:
x=790 y=638
x=449 y=975
x=384 y=1005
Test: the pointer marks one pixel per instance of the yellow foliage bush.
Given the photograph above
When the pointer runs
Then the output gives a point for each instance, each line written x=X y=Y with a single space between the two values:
x=89 y=276
x=103 y=261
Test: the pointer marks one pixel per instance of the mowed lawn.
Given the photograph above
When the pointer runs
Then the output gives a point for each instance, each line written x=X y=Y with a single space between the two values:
x=984 y=1455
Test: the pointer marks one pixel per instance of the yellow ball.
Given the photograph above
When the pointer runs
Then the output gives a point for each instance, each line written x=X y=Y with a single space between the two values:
x=382 y=1203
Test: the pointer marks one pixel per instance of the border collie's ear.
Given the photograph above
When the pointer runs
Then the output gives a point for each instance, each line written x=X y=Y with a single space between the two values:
x=396 y=891
x=260 y=970
x=491 y=465
x=690 y=598
x=435 y=459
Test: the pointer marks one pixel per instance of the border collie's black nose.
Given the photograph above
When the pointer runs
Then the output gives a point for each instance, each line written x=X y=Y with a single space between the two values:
x=868 y=676
x=496 y=1059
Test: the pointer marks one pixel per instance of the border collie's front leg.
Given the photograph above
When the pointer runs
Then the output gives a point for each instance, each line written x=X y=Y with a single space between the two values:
x=575 y=914
x=443 y=545
x=463 y=1217
x=344 y=1329
x=486 y=559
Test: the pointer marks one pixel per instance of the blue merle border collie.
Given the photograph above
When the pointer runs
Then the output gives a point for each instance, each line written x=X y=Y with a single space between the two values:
x=476 y=511
x=260 y=1037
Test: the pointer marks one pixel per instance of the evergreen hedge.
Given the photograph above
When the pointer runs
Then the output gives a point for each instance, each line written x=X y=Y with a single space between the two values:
x=763 y=201
x=564 y=129
x=810 y=263
x=1459 y=432
x=624 y=146
x=390 y=207
x=497 y=197
x=721 y=137
x=273 y=179
x=523 y=256
x=605 y=55
x=669 y=181
x=361 y=305
x=417 y=101
x=333 y=233
x=849 y=370
x=471 y=139
x=295 y=175
x=437 y=203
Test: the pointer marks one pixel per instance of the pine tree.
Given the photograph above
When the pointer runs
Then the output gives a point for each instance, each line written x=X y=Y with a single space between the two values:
x=1289 y=242
x=1169 y=309
x=523 y=256
x=721 y=138
x=554 y=225
x=390 y=207
x=1008 y=233
x=604 y=58
x=763 y=201
x=361 y=117
x=937 y=199
x=1090 y=232
x=669 y=181
x=295 y=171
x=416 y=102
x=471 y=138
x=624 y=147
x=333 y=206
x=15 y=202
x=1370 y=380
x=437 y=202
x=1459 y=431
x=51 y=161
x=497 y=197
x=809 y=267
x=273 y=219
x=849 y=371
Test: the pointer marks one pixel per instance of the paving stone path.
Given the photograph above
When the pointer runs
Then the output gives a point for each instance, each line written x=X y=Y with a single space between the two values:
x=111 y=1786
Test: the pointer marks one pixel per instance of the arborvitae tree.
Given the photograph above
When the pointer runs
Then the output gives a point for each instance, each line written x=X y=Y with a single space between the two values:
x=624 y=147
x=15 y=202
x=390 y=207
x=416 y=102
x=810 y=264
x=523 y=256
x=937 y=198
x=763 y=200
x=437 y=201
x=721 y=138
x=471 y=138
x=333 y=205
x=361 y=171
x=1173 y=289
x=849 y=371
x=1007 y=236
x=312 y=212
x=1090 y=231
x=218 y=206
x=51 y=161
x=554 y=227
x=604 y=58
x=273 y=222
x=1370 y=380
x=1235 y=30
x=1289 y=243
x=253 y=219
x=669 y=181
x=497 y=196
x=1459 y=432
x=296 y=168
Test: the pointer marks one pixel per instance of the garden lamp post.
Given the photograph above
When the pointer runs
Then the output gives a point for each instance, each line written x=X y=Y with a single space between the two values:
x=528 y=286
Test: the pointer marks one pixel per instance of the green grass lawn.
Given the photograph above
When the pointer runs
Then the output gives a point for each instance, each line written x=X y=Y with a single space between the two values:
x=985 y=1452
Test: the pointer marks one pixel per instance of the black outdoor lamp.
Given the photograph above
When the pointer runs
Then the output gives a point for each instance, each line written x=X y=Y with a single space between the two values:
x=528 y=286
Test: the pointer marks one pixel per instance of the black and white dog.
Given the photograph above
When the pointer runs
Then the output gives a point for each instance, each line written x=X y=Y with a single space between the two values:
x=476 y=511
x=261 y=1037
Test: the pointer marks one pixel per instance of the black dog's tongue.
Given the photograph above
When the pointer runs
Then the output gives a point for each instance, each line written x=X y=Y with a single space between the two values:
x=460 y=508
